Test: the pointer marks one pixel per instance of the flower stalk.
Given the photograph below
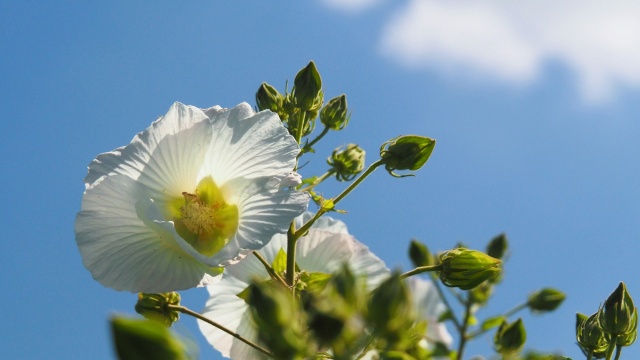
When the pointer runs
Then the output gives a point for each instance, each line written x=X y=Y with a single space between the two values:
x=196 y=315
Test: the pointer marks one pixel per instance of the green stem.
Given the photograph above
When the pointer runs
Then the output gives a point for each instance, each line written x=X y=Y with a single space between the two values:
x=612 y=345
x=420 y=270
x=291 y=254
x=314 y=141
x=274 y=275
x=318 y=180
x=590 y=355
x=465 y=325
x=446 y=303
x=337 y=199
x=187 y=311
x=507 y=314
x=618 y=352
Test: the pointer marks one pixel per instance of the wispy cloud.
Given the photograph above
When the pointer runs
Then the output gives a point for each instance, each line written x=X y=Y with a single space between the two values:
x=512 y=41
x=350 y=5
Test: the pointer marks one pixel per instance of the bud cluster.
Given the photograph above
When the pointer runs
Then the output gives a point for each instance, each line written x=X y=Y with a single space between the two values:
x=154 y=307
x=614 y=326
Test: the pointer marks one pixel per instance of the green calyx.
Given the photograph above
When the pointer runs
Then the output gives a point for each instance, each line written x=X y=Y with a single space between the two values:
x=466 y=269
x=408 y=152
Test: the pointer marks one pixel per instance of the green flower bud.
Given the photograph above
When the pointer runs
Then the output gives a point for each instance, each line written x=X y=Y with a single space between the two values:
x=589 y=335
x=307 y=88
x=278 y=320
x=627 y=340
x=618 y=315
x=334 y=114
x=347 y=162
x=409 y=152
x=144 y=339
x=154 y=307
x=510 y=338
x=466 y=269
x=420 y=254
x=390 y=308
x=547 y=299
x=268 y=98
x=294 y=120
x=497 y=247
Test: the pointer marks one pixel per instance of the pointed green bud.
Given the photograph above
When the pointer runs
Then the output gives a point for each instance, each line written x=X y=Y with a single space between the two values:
x=618 y=315
x=347 y=162
x=420 y=254
x=268 y=98
x=307 y=88
x=510 y=338
x=497 y=247
x=466 y=269
x=408 y=152
x=138 y=339
x=154 y=307
x=589 y=335
x=334 y=114
x=547 y=299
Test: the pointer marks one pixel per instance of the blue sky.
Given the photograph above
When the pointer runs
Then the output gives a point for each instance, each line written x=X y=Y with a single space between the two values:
x=534 y=107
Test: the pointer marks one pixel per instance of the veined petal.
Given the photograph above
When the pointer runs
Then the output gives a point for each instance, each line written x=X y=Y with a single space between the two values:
x=122 y=252
x=130 y=160
x=248 y=145
x=266 y=212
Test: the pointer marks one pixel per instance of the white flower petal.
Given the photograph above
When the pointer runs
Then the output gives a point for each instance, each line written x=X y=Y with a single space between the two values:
x=267 y=212
x=121 y=251
x=130 y=160
x=429 y=306
x=129 y=241
x=249 y=145
x=225 y=308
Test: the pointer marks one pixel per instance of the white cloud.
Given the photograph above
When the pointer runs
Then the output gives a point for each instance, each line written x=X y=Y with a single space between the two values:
x=512 y=40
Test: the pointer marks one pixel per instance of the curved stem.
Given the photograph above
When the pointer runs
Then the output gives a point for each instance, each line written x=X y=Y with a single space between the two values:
x=187 y=311
x=314 y=141
x=337 y=199
x=274 y=275
x=420 y=270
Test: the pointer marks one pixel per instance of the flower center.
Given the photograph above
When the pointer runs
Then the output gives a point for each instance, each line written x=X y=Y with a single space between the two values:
x=204 y=219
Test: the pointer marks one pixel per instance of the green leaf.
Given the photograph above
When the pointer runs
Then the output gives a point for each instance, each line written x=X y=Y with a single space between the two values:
x=492 y=322
x=136 y=339
x=279 y=264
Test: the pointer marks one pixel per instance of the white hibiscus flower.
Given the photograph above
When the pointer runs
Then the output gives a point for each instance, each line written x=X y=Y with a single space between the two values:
x=325 y=248
x=429 y=306
x=197 y=190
